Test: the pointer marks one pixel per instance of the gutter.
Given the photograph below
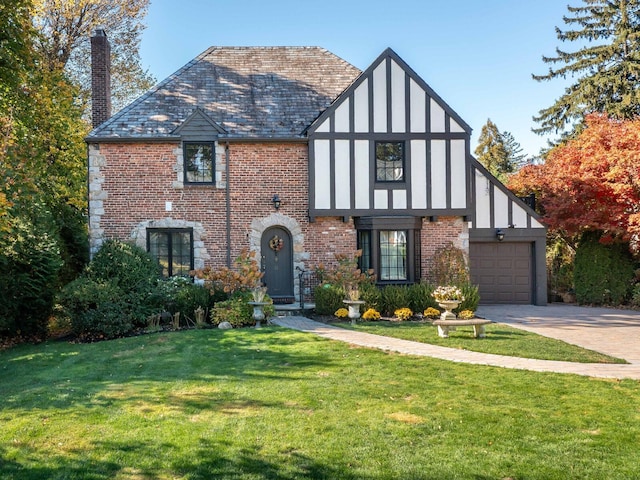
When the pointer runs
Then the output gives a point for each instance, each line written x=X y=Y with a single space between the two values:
x=177 y=138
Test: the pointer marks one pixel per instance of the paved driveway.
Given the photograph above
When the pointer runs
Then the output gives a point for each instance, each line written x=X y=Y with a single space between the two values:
x=610 y=331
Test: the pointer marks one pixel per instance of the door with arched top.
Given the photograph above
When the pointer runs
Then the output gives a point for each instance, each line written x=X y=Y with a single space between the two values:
x=277 y=264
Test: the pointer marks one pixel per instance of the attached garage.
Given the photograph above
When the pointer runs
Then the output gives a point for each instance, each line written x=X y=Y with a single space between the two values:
x=507 y=244
x=503 y=271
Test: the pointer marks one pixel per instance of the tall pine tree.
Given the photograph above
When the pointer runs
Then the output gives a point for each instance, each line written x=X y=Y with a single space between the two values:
x=606 y=64
x=497 y=151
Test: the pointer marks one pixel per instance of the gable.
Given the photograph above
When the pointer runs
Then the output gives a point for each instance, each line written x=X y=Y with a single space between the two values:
x=389 y=102
x=495 y=206
x=389 y=97
x=199 y=127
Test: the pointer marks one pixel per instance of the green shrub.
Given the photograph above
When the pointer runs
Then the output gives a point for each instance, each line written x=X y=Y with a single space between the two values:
x=96 y=308
x=603 y=274
x=471 y=297
x=30 y=263
x=392 y=298
x=191 y=297
x=237 y=311
x=635 y=295
x=129 y=266
x=371 y=295
x=560 y=264
x=180 y=294
x=420 y=297
x=117 y=293
x=328 y=299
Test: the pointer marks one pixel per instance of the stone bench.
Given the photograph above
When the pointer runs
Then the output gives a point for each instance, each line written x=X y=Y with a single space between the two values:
x=445 y=326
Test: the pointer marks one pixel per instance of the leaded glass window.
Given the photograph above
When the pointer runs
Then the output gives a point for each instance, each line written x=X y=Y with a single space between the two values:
x=390 y=161
x=199 y=162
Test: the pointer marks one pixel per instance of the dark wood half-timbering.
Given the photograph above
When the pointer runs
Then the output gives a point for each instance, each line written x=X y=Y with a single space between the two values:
x=389 y=103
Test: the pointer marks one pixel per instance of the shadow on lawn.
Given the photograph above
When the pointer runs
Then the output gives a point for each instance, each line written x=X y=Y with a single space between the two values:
x=213 y=460
x=68 y=376
x=218 y=460
x=68 y=465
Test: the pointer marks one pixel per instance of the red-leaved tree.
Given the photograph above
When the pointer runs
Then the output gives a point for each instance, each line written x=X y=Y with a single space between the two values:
x=590 y=183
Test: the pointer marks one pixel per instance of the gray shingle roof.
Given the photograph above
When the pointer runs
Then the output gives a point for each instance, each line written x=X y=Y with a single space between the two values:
x=249 y=91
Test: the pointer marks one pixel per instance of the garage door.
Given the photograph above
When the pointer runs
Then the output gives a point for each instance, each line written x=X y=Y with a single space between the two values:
x=503 y=271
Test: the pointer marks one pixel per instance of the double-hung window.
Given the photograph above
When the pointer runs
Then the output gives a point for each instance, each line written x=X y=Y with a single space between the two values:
x=199 y=162
x=390 y=162
x=173 y=248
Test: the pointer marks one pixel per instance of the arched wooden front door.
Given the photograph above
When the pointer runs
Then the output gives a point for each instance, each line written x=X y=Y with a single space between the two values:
x=277 y=264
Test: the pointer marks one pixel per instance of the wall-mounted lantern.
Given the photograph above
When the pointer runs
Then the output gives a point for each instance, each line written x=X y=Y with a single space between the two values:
x=276 y=201
x=500 y=234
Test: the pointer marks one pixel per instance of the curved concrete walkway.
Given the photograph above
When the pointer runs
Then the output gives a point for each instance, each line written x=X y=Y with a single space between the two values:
x=614 y=332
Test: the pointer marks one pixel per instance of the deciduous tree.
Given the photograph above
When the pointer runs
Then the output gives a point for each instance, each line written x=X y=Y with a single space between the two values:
x=606 y=64
x=591 y=182
x=66 y=28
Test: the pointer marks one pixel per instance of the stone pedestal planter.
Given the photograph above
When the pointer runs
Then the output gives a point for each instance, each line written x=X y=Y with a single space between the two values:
x=354 y=309
x=258 y=312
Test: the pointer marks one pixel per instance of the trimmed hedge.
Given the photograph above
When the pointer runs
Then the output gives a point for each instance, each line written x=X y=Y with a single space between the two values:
x=603 y=274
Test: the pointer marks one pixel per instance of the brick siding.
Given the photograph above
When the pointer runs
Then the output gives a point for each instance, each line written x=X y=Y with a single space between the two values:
x=131 y=183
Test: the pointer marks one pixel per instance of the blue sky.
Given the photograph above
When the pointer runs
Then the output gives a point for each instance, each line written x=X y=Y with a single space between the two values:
x=478 y=55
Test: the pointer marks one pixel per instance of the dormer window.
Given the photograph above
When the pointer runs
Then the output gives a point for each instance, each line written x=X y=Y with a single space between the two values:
x=199 y=162
x=390 y=161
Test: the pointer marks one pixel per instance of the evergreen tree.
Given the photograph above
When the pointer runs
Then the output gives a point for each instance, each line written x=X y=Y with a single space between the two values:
x=494 y=152
x=514 y=150
x=607 y=67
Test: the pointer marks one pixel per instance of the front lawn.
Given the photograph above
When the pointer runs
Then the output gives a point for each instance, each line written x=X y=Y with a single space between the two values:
x=500 y=339
x=279 y=404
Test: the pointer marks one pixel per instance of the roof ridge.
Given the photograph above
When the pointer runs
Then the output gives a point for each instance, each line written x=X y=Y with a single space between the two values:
x=136 y=118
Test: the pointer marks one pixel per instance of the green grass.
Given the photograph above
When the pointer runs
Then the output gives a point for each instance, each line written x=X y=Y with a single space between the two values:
x=501 y=340
x=279 y=404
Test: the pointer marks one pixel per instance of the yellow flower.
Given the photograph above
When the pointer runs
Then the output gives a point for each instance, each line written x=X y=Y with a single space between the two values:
x=403 y=313
x=431 y=312
x=341 y=313
x=371 y=314
x=466 y=314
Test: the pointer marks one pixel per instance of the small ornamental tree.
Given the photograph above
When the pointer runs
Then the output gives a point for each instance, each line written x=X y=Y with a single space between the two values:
x=244 y=277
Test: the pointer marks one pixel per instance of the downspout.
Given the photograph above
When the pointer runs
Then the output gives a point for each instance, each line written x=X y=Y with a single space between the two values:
x=228 y=201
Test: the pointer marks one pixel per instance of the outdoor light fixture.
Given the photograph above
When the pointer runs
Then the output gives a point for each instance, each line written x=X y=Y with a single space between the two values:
x=276 y=201
x=500 y=235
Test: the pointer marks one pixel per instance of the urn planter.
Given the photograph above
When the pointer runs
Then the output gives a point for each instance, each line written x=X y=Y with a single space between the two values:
x=258 y=312
x=354 y=309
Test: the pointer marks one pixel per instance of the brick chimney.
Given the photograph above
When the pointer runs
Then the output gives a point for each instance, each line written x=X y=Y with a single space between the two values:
x=100 y=77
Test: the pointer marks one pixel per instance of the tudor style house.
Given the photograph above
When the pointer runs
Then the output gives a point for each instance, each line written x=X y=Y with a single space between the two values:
x=297 y=155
